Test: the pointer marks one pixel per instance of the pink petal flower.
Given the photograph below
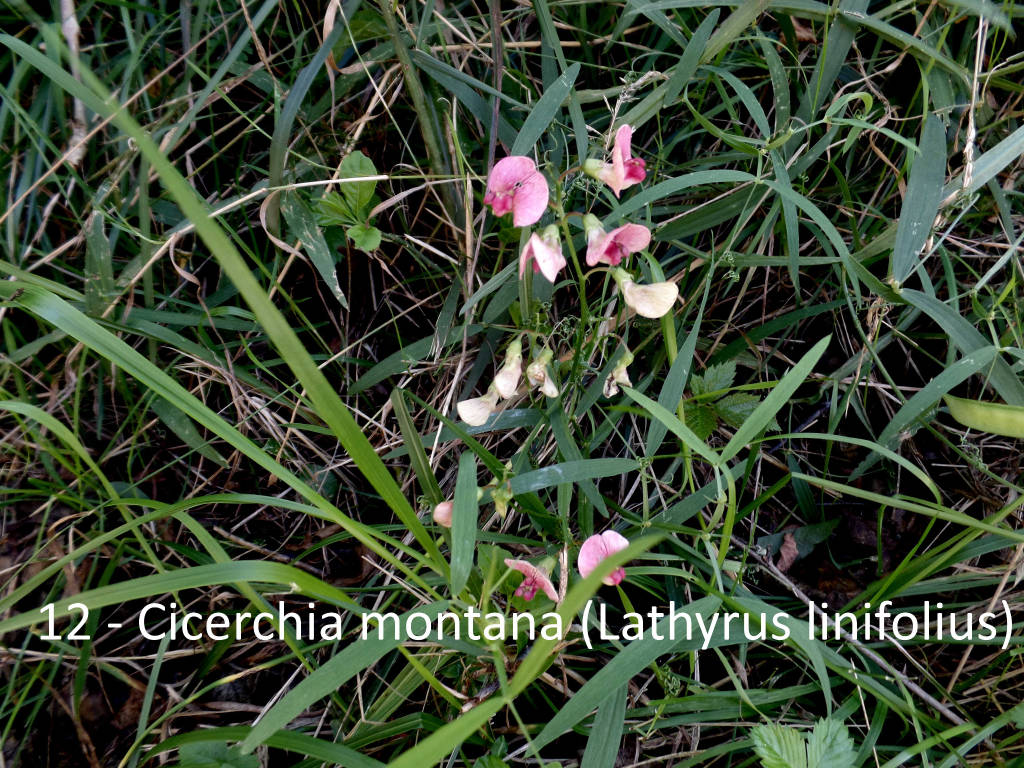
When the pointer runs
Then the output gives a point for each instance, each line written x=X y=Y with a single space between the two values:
x=624 y=170
x=516 y=185
x=597 y=548
x=545 y=251
x=612 y=247
x=534 y=579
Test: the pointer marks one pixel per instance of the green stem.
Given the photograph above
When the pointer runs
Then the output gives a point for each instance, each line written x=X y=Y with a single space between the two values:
x=419 y=99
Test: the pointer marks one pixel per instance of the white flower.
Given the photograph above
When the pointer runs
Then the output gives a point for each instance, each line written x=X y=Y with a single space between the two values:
x=537 y=374
x=653 y=301
x=507 y=379
x=619 y=376
x=477 y=410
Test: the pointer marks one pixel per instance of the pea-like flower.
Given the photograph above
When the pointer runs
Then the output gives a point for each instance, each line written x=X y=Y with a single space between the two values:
x=516 y=185
x=545 y=252
x=538 y=376
x=619 y=377
x=624 y=170
x=534 y=579
x=596 y=549
x=653 y=301
x=507 y=379
x=612 y=247
x=477 y=410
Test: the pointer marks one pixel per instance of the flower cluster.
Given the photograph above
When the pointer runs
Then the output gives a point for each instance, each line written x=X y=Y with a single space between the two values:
x=516 y=186
x=594 y=551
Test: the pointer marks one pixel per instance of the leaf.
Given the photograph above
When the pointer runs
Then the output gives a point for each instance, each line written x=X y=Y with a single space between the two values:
x=303 y=225
x=364 y=237
x=544 y=111
x=994 y=418
x=341 y=668
x=626 y=663
x=736 y=408
x=715 y=379
x=464 y=522
x=788 y=552
x=830 y=746
x=924 y=193
x=701 y=419
x=764 y=414
x=182 y=426
x=357 y=194
x=603 y=742
x=214 y=755
x=779 y=746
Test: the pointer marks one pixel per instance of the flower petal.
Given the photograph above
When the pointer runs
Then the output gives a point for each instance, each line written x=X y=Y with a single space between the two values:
x=632 y=237
x=530 y=200
x=477 y=410
x=651 y=301
x=623 y=140
x=596 y=549
x=510 y=171
x=534 y=576
x=548 y=259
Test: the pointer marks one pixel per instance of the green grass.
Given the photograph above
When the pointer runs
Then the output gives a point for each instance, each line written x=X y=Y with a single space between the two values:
x=248 y=274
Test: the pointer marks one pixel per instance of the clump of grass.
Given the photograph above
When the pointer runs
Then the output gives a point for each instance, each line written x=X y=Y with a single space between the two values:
x=250 y=274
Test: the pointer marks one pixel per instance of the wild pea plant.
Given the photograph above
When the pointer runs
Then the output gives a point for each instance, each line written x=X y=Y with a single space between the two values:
x=515 y=186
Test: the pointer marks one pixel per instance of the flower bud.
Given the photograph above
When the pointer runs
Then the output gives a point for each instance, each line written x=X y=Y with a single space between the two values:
x=443 y=514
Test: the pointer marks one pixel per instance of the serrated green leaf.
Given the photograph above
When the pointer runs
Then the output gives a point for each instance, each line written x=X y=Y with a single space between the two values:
x=364 y=237
x=779 y=746
x=736 y=408
x=718 y=377
x=701 y=419
x=830 y=746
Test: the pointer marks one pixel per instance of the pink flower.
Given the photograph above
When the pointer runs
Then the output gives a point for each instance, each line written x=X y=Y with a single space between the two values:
x=612 y=247
x=624 y=170
x=516 y=185
x=534 y=579
x=545 y=251
x=443 y=513
x=597 y=548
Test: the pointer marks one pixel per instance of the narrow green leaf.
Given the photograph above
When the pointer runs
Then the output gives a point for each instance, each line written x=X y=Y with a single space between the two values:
x=342 y=667
x=603 y=743
x=776 y=399
x=302 y=223
x=544 y=111
x=464 y=522
x=686 y=67
x=414 y=449
x=674 y=425
x=968 y=339
x=924 y=193
x=657 y=641
x=182 y=426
